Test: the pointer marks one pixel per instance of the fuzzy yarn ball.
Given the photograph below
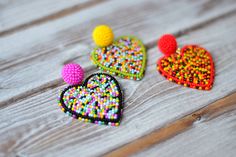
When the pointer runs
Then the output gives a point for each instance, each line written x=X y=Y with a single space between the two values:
x=103 y=35
x=72 y=74
x=167 y=44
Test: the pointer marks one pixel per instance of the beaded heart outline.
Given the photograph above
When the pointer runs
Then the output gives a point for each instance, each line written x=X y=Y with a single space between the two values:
x=80 y=117
x=186 y=83
x=121 y=74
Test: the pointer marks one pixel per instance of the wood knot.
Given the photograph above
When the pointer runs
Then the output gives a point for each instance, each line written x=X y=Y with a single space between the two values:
x=196 y=116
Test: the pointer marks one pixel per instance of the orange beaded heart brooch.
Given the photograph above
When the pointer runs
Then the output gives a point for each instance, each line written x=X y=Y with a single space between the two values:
x=191 y=66
x=124 y=57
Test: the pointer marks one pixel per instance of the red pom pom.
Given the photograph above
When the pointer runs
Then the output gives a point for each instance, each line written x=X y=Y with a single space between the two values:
x=167 y=44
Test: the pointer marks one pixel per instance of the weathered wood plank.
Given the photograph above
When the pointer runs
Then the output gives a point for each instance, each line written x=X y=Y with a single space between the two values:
x=77 y=28
x=197 y=119
x=35 y=125
x=48 y=50
x=43 y=73
x=213 y=135
x=20 y=14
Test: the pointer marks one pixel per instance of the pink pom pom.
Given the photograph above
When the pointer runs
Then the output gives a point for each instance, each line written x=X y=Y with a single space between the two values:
x=72 y=74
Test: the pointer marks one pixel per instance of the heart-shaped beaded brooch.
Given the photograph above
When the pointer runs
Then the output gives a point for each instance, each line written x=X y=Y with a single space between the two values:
x=192 y=66
x=98 y=100
x=125 y=57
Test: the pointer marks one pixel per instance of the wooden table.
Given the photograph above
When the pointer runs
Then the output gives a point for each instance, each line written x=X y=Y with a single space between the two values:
x=160 y=118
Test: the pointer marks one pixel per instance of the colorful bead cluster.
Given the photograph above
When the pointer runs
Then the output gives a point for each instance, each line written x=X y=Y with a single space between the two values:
x=97 y=101
x=193 y=67
x=126 y=57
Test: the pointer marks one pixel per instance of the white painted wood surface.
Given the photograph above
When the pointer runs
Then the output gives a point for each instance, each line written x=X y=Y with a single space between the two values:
x=64 y=37
x=14 y=13
x=34 y=125
x=209 y=137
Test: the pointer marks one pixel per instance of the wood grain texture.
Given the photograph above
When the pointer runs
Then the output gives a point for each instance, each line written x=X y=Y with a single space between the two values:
x=68 y=39
x=213 y=135
x=35 y=126
x=21 y=14
x=204 y=115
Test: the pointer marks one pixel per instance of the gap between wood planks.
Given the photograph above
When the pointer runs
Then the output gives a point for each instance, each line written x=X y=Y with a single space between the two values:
x=148 y=46
x=195 y=27
x=170 y=130
x=54 y=16
x=47 y=86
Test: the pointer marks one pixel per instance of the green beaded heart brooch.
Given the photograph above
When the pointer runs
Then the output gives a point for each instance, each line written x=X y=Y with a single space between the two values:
x=125 y=57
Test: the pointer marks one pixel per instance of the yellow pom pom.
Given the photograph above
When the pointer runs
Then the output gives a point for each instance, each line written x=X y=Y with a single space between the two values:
x=103 y=35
